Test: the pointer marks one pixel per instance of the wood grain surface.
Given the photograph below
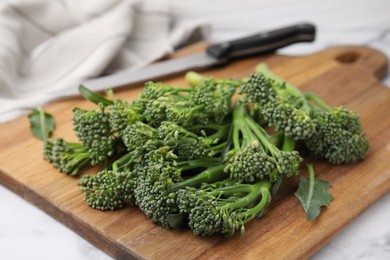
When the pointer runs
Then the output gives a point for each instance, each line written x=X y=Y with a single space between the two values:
x=342 y=76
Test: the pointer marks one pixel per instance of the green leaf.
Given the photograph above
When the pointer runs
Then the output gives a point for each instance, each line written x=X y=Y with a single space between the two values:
x=94 y=97
x=42 y=124
x=313 y=194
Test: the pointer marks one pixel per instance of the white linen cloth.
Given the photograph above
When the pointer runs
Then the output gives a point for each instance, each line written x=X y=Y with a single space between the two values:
x=49 y=45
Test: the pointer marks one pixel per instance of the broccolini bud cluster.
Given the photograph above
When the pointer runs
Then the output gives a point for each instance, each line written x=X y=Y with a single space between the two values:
x=158 y=184
x=292 y=121
x=67 y=157
x=108 y=190
x=254 y=156
x=204 y=104
x=140 y=138
x=338 y=137
x=188 y=145
x=216 y=97
x=258 y=89
x=223 y=208
x=281 y=105
x=251 y=163
x=152 y=194
x=334 y=134
x=124 y=113
x=93 y=129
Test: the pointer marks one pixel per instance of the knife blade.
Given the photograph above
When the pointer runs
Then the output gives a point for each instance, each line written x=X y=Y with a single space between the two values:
x=216 y=54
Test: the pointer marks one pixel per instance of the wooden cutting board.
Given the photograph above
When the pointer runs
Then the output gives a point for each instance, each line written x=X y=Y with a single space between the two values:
x=342 y=76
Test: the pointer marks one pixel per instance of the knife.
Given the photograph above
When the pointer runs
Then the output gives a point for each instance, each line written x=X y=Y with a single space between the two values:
x=217 y=54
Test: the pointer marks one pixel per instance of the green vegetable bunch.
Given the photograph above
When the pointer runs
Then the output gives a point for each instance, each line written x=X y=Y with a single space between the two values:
x=193 y=156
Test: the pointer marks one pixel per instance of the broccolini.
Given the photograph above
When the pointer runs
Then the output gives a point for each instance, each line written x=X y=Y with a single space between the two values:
x=193 y=156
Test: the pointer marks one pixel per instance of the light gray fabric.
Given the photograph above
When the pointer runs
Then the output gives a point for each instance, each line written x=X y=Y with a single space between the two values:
x=50 y=45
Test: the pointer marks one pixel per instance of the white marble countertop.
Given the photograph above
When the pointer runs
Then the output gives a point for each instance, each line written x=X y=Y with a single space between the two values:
x=28 y=233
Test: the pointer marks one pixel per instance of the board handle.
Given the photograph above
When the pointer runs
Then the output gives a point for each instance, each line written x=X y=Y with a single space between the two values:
x=371 y=60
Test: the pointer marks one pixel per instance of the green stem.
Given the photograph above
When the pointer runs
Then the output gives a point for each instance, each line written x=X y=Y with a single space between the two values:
x=260 y=133
x=253 y=192
x=94 y=97
x=42 y=123
x=275 y=139
x=81 y=162
x=218 y=148
x=310 y=168
x=288 y=144
x=243 y=188
x=195 y=79
x=122 y=162
x=265 y=198
x=242 y=202
x=198 y=163
x=193 y=110
x=221 y=133
x=229 y=142
x=263 y=68
x=236 y=138
x=318 y=101
x=183 y=90
x=230 y=82
x=216 y=127
x=212 y=174
x=240 y=125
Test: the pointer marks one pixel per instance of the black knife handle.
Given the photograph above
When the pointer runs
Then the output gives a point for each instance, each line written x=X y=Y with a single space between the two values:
x=263 y=42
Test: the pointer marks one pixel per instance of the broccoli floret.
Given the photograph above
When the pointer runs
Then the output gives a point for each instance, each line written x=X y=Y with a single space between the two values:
x=254 y=155
x=108 y=190
x=279 y=103
x=113 y=187
x=92 y=127
x=223 y=207
x=155 y=110
x=187 y=113
x=155 y=90
x=66 y=156
x=215 y=96
x=259 y=90
x=141 y=138
x=251 y=163
x=285 y=117
x=188 y=145
x=203 y=104
x=330 y=133
x=124 y=113
x=339 y=138
x=157 y=185
x=121 y=112
x=156 y=99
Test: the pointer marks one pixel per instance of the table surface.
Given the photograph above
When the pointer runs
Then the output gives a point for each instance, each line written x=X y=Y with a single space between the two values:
x=28 y=233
